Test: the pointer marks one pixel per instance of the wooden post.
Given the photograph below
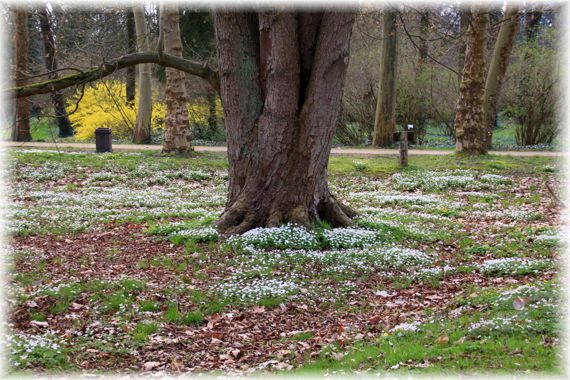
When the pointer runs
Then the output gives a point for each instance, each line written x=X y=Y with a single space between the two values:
x=404 y=148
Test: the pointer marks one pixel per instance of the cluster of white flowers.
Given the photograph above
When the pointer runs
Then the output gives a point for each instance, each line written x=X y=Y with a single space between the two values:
x=398 y=199
x=349 y=237
x=205 y=234
x=249 y=290
x=24 y=349
x=478 y=194
x=508 y=214
x=433 y=273
x=433 y=180
x=494 y=324
x=549 y=239
x=513 y=265
x=288 y=236
x=496 y=179
x=407 y=327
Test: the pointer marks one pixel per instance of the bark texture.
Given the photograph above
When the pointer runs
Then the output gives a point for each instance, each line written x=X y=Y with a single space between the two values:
x=177 y=129
x=470 y=130
x=464 y=20
x=385 y=119
x=498 y=68
x=63 y=123
x=281 y=80
x=131 y=72
x=141 y=133
x=21 y=126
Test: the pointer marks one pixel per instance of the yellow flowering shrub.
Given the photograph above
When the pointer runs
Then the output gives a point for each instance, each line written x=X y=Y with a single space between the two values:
x=103 y=106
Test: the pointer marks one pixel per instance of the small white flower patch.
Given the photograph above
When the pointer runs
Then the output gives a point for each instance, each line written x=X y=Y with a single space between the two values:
x=205 y=234
x=349 y=237
x=407 y=327
x=288 y=236
x=26 y=350
x=494 y=324
x=496 y=179
x=514 y=266
x=253 y=290
x=433 y=180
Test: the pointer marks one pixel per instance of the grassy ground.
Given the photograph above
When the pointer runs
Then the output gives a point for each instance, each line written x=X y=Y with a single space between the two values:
x=451 y=267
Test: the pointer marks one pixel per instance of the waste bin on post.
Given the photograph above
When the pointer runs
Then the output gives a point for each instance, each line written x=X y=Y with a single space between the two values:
x=103 y=142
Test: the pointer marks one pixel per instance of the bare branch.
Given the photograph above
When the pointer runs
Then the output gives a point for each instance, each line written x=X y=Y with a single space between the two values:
x=167 y=60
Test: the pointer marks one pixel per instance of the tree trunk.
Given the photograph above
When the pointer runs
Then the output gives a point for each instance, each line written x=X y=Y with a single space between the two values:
x=21 y=126
x=141 y=133
x=281 y=80
x=385 y=119
x=498 y=68
x=212 y=119
x=131 y=48
x=470 y=130
x=424 y=29
x=177 y=130
x=63 y=123
x=464 y=17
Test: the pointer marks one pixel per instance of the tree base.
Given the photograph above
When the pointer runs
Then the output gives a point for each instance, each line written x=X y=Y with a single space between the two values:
x=243 y=216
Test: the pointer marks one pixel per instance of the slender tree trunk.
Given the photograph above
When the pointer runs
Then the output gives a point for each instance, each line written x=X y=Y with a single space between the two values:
x=385 y=119
x=63 y=123
x=21 y=126
x=464 y=19
x=281 y=80
x=470 y=130
x=177 y=130
x=141 y=133
x=212 y=119
x=498 y=68
x=424 y=28
x=131 y=48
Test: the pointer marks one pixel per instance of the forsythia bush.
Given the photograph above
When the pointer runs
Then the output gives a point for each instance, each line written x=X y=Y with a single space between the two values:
x=103 y=106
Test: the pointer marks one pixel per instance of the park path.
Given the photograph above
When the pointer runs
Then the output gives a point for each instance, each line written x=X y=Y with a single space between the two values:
x=222 y=149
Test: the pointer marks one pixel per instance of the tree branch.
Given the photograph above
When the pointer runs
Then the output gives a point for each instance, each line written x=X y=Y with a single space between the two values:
x=167 y=60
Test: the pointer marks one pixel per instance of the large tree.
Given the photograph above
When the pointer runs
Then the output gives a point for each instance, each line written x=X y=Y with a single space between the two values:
x=470 y=131
x=63 y=123
x=177 y=129
x=281 y=80
x=281 y=76
x=131 y=48
x=385 y=118
x=498 y=68
x=21 y=126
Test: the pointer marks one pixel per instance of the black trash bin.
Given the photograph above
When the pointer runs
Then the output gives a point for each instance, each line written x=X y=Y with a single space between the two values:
x=103 y=142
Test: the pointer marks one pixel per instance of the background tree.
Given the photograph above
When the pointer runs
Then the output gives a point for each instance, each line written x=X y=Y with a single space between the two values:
x=385 y=119
x=63 y=123
x=21 y=126
x=141 y=134
x=498 y=68
x=470 y=131
x=176 y=130
x=131 y=48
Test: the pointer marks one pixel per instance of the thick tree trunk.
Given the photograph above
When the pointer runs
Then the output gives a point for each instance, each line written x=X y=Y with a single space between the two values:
x=385 y=119
x=498 y=68
x=141 y=133
x=131 y=48
x=281 y=79
x=63 y=123
x=177 y=130
x=470 y=130
x=21 y=126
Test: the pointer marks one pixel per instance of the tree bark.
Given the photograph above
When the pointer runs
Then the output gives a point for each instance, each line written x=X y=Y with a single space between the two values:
x=470 y=131
x=63 y=123
x=498 y=68
x=131 y=48
x=281 y=79
x=141 y=133
x=464 y=20
x=21 y=126
x=385 y=119
x=177 y=130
